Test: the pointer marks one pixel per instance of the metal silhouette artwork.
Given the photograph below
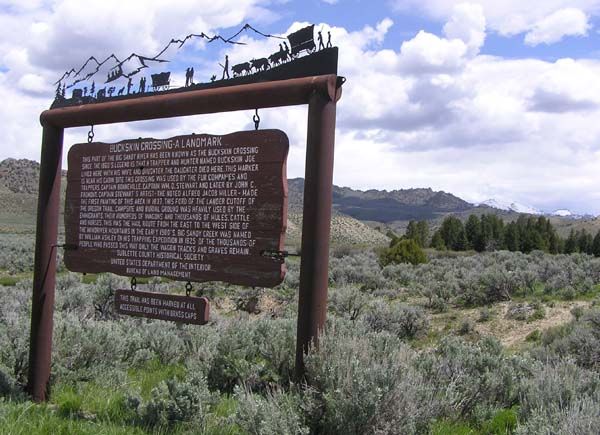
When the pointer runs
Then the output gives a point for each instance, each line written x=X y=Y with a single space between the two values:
x=297 y=56
x=225 y=68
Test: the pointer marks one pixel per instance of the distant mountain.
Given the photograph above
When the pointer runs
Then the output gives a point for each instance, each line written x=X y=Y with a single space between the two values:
x=514 y=206
x=385 y=206
x=352 y=208
x=562 y=213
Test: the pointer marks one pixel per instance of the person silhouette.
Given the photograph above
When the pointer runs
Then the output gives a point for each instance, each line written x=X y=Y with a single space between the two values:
x=142 y=87
x=129 y=85
x=226 y=68
x=328 y=39
x=320 y=39
x=191 y=76
x=93 y=90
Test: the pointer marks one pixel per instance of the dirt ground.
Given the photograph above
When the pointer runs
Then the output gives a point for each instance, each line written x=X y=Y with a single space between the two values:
x=511 y=332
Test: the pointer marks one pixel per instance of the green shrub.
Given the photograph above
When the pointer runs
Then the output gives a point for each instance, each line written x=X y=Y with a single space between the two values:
x=448 y=427
x=353 y=370
x=8 y=281
x=539 y=312
x=256 y=354
x=485 y=314
x=577 y=312
x=405 y=322
x=580 y=416
x=473 y=376
x=276 y=413
x=502 y=422
x=175 y=401
x=403 y=251
x=534 y=336
x=348 y=302
x=410 y=406
x=554 y=386
x=466 y=327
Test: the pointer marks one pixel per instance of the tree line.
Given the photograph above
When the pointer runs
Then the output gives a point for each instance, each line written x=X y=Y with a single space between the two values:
x=489 y=232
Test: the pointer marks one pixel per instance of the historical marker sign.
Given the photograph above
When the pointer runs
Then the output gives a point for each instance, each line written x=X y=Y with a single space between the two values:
x=191 y=208
x=176 y=308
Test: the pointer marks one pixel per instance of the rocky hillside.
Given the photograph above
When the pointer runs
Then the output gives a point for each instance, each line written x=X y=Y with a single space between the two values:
x=345 y=231
x=385 y=206
x=19 y=176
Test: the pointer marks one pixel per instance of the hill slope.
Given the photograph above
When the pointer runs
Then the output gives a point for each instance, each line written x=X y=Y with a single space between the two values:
x=383 y=206
x=352 y=208
x=18 y=207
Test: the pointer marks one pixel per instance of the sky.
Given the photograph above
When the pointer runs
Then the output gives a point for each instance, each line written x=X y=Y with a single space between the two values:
x=483 y=99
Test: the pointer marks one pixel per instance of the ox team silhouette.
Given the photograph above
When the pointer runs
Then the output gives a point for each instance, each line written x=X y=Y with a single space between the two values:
x=299 y=41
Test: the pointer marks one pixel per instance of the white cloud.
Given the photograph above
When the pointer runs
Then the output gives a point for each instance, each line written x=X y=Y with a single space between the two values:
x=428 y=112
x=507 y=17
x=33 y=83
x=428 y=53
x=39 y=40
x=568 y=86
x=477 y=126
x=467 y=23
x=551 y=29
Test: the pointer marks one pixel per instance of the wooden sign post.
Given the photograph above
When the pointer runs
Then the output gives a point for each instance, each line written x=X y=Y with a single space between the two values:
x=320 y=93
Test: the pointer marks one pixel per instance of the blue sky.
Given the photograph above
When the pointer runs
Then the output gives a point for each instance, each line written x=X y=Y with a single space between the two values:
x=480 y=98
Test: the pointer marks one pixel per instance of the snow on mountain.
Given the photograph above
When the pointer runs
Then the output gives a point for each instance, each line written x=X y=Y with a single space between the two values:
x=494 y=204
x=513 y=206
x=562 y=213
x=521 y=208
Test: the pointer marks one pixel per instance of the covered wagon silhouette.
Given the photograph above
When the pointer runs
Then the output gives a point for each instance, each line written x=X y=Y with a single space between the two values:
x=302 y=39
x=161 y=81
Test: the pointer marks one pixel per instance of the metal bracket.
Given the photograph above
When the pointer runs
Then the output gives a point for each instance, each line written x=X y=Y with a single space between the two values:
x=278 y=255
x=66 y=246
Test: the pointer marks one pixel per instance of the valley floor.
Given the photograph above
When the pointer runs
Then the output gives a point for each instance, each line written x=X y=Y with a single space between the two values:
x=491 y=343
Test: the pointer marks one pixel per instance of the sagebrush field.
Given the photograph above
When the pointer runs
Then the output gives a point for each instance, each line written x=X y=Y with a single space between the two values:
x=489 y=343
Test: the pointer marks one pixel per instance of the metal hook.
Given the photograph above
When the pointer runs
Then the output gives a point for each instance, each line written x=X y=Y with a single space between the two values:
x=91 y=134
x=256 y=119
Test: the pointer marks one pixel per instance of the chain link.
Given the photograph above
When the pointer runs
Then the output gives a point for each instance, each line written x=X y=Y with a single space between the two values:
x=256 y=119
x=133 y=283
x=188 y=288
x=91 y=134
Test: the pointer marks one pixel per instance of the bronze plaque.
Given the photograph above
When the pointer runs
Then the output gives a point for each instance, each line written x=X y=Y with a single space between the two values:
x=176 y=308
x=191 y=208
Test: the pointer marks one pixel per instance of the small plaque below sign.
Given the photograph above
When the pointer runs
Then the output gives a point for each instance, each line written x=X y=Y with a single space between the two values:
x=175 y=308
